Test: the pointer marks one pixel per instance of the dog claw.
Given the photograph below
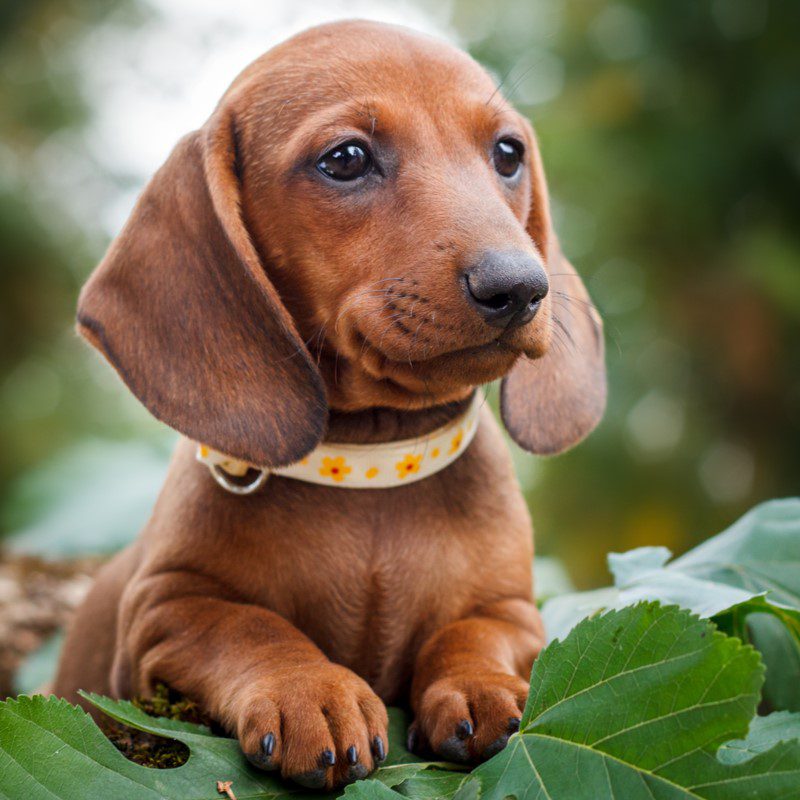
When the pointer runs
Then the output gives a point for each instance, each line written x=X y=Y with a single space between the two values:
x=352 y=754
x=412 y=742
x=464 y=729
x=328 y=758
x=263 y=759
x=513 y=724
x=378 y=749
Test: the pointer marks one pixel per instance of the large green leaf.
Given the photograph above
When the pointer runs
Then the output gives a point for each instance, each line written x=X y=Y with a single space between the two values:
x=753 y=568
x=632 y=704
x=50 y=749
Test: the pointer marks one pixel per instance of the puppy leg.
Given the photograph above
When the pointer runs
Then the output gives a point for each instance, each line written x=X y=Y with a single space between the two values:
x=291 y=708
x=471 y=681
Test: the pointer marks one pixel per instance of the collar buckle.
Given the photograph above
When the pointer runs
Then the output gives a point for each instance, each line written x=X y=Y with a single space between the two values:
x=224 y=480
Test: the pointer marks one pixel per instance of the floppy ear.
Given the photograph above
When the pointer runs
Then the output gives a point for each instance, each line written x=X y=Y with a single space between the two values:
x=182 y=307
x=550 y=403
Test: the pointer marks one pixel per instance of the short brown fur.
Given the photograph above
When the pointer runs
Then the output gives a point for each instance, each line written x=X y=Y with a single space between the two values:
x=255 y=307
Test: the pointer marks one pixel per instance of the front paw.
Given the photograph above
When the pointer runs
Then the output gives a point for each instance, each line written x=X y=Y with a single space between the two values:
x=322 y=728
x=468 y=718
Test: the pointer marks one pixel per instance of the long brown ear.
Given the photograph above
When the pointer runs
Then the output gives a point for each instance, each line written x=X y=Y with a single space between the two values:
x=183 y=309
x=550 y=403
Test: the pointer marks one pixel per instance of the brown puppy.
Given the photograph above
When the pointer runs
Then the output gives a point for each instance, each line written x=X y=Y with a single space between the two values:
x=357 y=237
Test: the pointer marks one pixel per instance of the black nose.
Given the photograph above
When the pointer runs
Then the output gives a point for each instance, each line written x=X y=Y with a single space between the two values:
x=507 y=287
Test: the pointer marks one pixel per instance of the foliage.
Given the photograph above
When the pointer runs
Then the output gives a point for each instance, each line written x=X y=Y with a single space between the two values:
x=635 y=704
x=632 y=704
x=49 y=748
x=752 y=568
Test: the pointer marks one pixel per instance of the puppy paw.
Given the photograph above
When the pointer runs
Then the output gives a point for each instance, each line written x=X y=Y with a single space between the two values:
x=468 y=718
x=322 y=728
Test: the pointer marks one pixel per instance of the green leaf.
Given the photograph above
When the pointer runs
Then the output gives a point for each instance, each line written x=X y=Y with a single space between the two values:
x=369 y=790
x=782 y=726
x=781 y=654
x=50 y=749
x=753 y=568
x=634 y=704
x=761 y=553
x=425 y=785
x=758 y=553
x=434 y=784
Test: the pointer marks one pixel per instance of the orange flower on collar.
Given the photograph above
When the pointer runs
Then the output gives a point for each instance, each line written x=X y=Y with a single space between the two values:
x=335 y=468
x=408 y=466
x=457 y=439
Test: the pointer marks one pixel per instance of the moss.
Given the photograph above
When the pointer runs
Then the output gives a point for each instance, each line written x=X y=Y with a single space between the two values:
x=155 y=751
x=166 y=702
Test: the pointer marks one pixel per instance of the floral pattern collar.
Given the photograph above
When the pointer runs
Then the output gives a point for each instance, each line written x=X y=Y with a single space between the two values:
x=358 y=466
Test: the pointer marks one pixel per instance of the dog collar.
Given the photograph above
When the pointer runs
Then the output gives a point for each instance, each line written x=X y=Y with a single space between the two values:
x=358 y=466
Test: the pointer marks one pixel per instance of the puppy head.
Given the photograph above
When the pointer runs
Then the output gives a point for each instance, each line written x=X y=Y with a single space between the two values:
x=363 y=221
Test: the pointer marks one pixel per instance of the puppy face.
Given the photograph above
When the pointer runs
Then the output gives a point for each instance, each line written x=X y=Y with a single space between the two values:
x=401 y=179
x=362 y=221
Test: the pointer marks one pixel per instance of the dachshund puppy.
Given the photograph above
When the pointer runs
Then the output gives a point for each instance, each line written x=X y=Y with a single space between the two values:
x=357 y=238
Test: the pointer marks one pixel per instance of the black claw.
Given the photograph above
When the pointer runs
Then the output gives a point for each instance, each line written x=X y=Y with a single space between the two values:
x=464 y=729
x=328 y=758
x=263 y=758
x=311 y=780
x=378 y=750
x=513 y=724
x=352 y=754
x=413 y=740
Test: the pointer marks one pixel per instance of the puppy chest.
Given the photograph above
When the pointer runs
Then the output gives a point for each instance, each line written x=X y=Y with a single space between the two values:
x=361 y=605
x=370 y=575
x=370 y=595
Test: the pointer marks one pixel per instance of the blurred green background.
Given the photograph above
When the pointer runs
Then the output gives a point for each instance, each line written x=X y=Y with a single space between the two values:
x=671 y=137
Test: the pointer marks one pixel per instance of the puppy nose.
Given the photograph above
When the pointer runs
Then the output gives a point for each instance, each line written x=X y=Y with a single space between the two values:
x=507 y=287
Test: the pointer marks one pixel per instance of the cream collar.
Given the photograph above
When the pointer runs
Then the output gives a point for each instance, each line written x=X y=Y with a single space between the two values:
x=359 y=466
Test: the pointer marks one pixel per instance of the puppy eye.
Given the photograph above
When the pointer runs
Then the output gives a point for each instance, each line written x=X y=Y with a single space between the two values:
x=507 y=157
x=346 y=162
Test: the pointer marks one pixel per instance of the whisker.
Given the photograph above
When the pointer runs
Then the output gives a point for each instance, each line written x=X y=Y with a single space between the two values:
x=568 y=296
x=503 y=80
x=559 y=342
x=564 y=328
x=416 y=332
x=611 y=329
